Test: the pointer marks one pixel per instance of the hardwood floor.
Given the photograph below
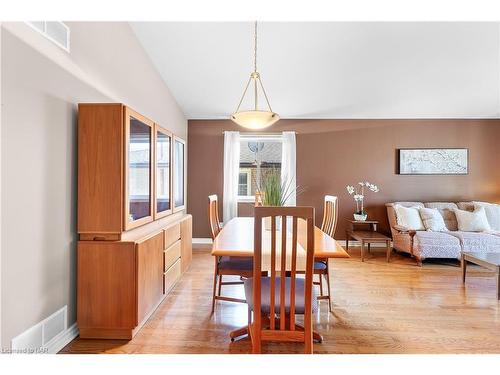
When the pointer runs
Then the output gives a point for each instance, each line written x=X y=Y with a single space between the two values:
x=379 y=307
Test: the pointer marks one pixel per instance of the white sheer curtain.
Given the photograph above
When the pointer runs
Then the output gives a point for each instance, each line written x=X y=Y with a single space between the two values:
x=231 y=175
x=288 y=165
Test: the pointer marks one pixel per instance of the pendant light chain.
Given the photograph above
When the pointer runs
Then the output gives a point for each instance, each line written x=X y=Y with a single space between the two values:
x=255 y=66
x=255 y=49
x=258 y=76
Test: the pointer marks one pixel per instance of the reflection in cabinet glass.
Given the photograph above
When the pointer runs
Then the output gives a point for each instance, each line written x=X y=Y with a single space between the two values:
x=139 y=179
x=162 y=172
x=178 y=179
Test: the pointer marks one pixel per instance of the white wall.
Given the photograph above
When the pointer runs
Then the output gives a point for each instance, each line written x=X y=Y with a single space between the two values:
x=41 y=86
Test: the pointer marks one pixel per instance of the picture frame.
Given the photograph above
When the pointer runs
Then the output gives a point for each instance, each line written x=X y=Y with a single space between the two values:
x=433 y=161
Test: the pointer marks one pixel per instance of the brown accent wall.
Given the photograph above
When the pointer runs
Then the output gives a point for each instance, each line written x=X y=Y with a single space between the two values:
x=334 y=153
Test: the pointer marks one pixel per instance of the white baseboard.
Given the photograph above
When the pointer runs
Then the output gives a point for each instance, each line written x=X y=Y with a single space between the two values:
x=62 y=339
x=202 y=241
x=208 y=242
x=202 y=244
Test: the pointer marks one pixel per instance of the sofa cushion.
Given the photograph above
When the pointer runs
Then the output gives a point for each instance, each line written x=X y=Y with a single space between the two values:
x=446 y=211
x=408 y=217
x=409 y=204
x=432 y=219
x=477 y=241
x=492 y=214
x=467 y=206
x=436 y=245
x=475 y=221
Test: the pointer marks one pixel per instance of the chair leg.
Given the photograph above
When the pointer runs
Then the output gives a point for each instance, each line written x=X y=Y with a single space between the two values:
x=320 y=285
x=215 y=285
x=254 y=331
x=308 y=340
x=220 y=285
x=256 y=345
x=329 y=292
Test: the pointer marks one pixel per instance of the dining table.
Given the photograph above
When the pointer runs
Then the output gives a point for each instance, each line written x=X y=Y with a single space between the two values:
x=236 y=240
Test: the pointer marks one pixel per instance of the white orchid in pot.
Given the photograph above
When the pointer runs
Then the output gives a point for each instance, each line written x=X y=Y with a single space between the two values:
x=358 y=193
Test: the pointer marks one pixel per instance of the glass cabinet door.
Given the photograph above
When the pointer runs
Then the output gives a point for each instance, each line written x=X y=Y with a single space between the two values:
x=179 y=177
x=138 y=206
x=163 y=155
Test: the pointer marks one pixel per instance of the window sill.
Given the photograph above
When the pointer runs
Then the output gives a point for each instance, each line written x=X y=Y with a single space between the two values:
x=249 y=199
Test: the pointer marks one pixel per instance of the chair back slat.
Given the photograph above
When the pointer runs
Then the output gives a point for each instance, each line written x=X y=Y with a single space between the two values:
x=283 y=305
x=283 y=272
x=213 y=215
x=272 y=292
x=293 y=274
x=330 y=215
x=308 y=333
x=257 y=280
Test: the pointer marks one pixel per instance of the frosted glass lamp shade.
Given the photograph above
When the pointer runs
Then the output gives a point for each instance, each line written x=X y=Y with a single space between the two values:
x=255 y=119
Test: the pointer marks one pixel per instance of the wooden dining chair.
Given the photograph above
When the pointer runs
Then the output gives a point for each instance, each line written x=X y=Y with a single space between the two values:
x=330 y=215
x=213 y=215
x=274 y=301
x=224 y=265
x=329 y=225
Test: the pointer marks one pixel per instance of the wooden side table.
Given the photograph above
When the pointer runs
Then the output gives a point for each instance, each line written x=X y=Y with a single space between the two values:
x=490 y=261
x=366 y=237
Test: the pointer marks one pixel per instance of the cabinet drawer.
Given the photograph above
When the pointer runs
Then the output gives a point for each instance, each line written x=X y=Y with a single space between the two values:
x=172 y=234
x=172 y=254
x=171 y=276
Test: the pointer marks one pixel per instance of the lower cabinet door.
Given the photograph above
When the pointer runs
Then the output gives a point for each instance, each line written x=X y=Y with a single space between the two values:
x=106 y=299
x=149 y=275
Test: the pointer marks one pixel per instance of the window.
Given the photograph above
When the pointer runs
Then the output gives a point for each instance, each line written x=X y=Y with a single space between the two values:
x=258 y=155
x=244 y=185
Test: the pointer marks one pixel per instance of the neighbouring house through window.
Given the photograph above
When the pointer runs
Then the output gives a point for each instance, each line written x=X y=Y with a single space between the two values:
x=258 y=155
x=244 y=182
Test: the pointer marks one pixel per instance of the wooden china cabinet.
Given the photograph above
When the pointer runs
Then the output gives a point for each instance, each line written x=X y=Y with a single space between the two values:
x=135 y=239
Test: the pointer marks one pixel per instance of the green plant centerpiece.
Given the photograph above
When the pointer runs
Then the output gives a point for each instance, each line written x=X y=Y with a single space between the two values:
x=275 y=191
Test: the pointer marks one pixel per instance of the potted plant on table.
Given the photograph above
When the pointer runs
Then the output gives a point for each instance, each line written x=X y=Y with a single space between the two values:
x=275 y=192
x=358 y=193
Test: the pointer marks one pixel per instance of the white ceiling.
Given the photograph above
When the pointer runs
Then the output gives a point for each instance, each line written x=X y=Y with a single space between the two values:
x=331 y=70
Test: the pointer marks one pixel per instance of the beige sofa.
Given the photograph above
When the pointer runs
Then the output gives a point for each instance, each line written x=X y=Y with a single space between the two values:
x=449 y=244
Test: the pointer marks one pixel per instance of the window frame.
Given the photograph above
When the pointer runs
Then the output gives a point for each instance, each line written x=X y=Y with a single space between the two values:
x=165 y=132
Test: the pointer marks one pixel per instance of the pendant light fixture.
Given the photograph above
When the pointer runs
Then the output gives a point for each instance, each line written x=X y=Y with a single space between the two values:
x=255 y=119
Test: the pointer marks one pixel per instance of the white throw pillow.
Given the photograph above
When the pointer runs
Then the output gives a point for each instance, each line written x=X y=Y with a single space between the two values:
x=475 y=221
x=492 y=213
x=408 y=217
x=432 y=219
